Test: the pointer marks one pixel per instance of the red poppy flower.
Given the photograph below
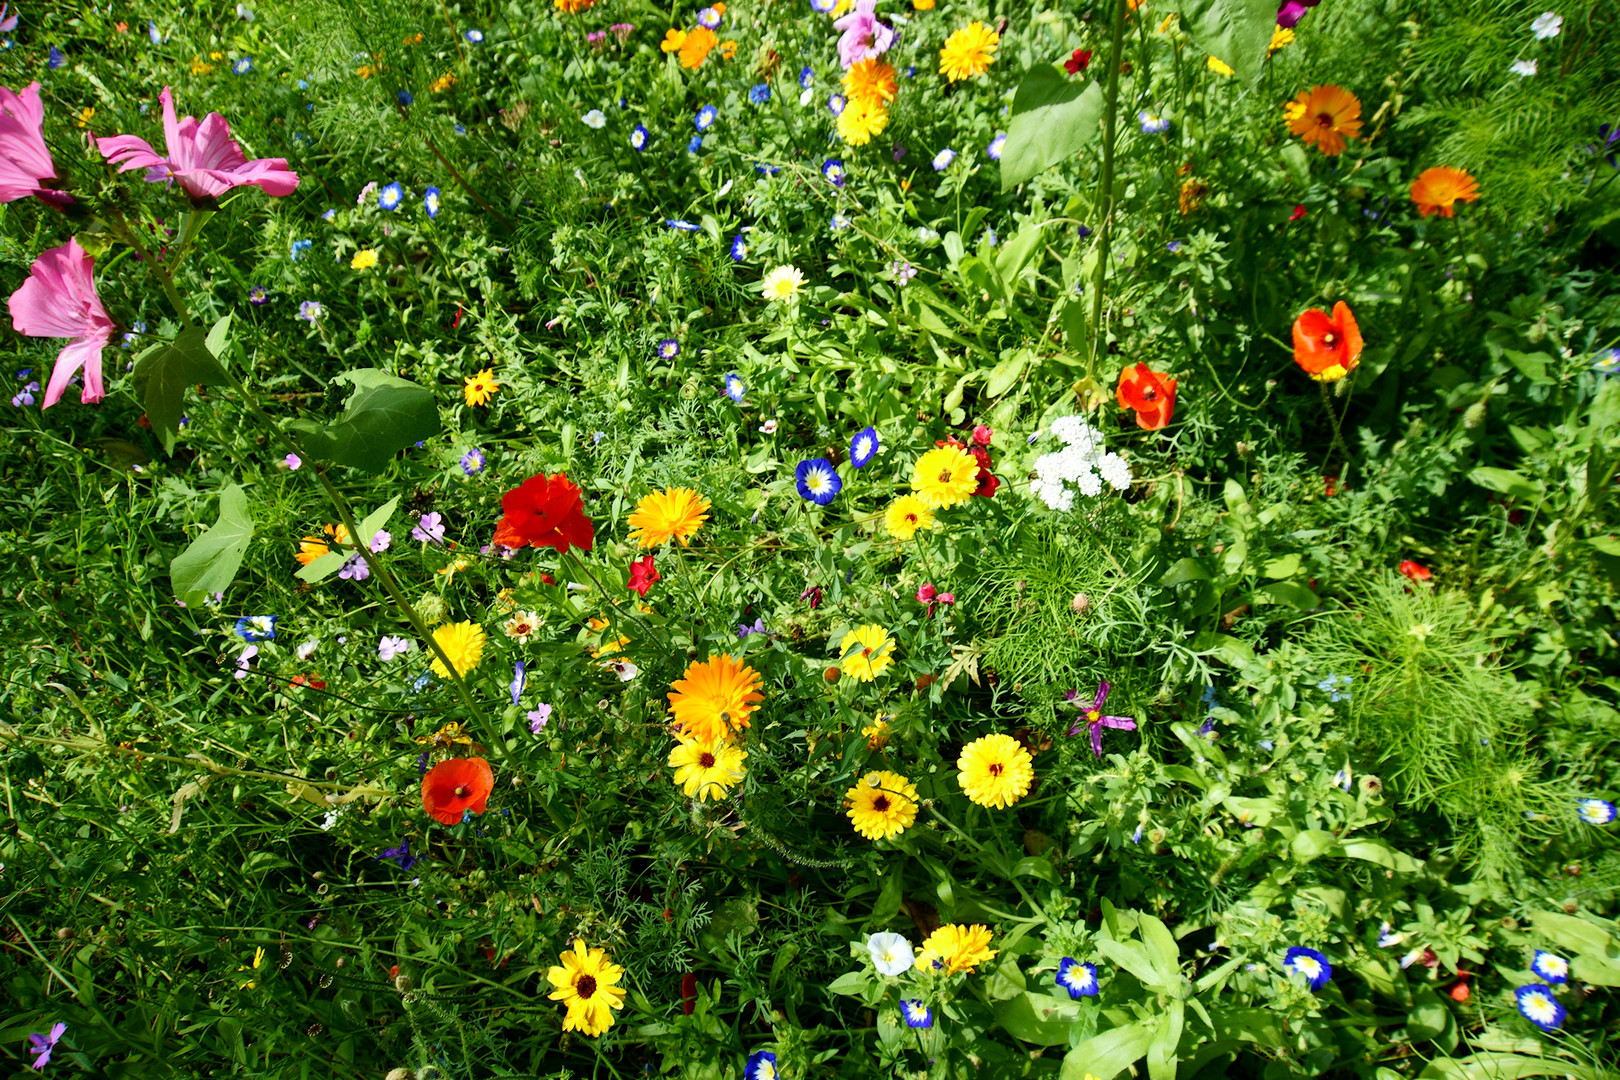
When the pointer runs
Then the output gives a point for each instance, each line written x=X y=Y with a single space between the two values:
x=545 y=512
x=1415 y=571
x=982 y=435
x=642 y=575
x=987 y=480
x=1151 y=395
x=1299 y=213
x=1077 y=63
x=455 y=785
x=1328 y=348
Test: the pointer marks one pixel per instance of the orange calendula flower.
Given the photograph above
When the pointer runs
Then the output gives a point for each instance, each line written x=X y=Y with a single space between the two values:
x=728 y=49
x=573 y=7
x=871 y=80
x=714 y=699
x=1325 y=116
x=442 y=83
x=1149 y=394
x=1437 y=190
x=1327 y=347
x=700 y=41
x=311 y=548
x=673 y=40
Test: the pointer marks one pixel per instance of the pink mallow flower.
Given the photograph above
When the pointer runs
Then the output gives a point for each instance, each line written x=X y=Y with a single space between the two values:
x=864 y=36
x=203 y=157
x=59 y=300
x=25 y=161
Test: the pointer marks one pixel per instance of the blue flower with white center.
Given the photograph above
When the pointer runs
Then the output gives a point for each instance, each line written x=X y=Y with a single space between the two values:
x=681 y=225
x=943 y=159
x=917 y=1015
x=1136 y=837
x=695 y=145
x=1553 y=968
x=638 y=138
x=1387 y=936
x=243 y=65
x=391 y=196
x=1595 y=811
x=704 y=119
x=833 y=170
x=835 y=104
x=863 y=446
x=997 y=144
x=472 y=462
x=475 y=37
x=1537 y=1005
x=256 y=628
x=709 y=18
x=405 y=98
x=739 y=248
x=421 y=681
x=153 y=33
x=734 y=387
x=1152 y=123
x=299 y=247
x=1080 y=980
x=1608 y=362
x=766 y=170
x=669 y=348
x=839 y=221
x=818 y=481
x=823 y=7
x=759 y=93
x=430 y=202
x=807 y=75
x=761 y=1066
x=1310 y=964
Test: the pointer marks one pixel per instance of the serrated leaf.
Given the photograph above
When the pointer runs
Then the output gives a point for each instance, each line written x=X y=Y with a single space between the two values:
x=1053 y=116
x=162 y=375
x=383 y=416
x=1236 y=32
x=209 y=563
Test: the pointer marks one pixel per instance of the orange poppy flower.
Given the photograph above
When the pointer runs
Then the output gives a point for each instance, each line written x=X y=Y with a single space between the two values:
x=454 y=785
x=1151 y=395
x=1326 y=116
x=1437 y=190
x=1328 y=348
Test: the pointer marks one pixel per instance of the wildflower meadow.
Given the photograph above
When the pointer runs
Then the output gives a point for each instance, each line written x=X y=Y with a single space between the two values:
x=810 y=539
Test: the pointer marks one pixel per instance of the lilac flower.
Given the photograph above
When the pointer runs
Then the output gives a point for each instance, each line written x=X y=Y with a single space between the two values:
x=380 y=541
x=520 y=679
x=429 y=529
x=669 y=348
x=309 y=310
x=56 y=60
x=864 y=36
x=538 y=718
x=1310 y=964
x=1152 y=123
x=42 y=1045
x=355 y=569
x=758 y=628
x=25 y=396
x=997 y=144
x=1094 y=719
x=244 y=660
x=943 y=159
x=1173 y=246
x=256 y=627
x=903 y=271
x=1080 y=980
x=422 y=763
x=293 y=462
x=400 y=855
x=472 y=462
x=709 y=18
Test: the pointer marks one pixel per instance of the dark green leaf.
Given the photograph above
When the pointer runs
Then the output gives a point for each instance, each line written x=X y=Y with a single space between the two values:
x=383 y=416
x=162 y=375
x=209 y=563
x=1052 y=117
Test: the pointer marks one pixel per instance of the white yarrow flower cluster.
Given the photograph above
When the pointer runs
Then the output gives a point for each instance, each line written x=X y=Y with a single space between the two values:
x=1083 y=462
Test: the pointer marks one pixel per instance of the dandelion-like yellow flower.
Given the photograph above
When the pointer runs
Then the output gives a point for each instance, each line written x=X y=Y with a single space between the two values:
x=969 y=52
x=713 y=700
x=906 y=515
x=995 y=771
x=480 y=388
x=199 y=66
x=882 y=804
x=1280 y=38
x=588 y=984
x=442 y=83
x=877 y=732
x=954 y=948
x=1219 y=66
x=945 y=476
x=783 y=283
x=463 y=643
x=871 y=80
x=707 y=770
x=866 y=652
x=668 y=515
x=364 y=259
x=862 y=120
x=673 y=40
x=1325 y=116
x=86 y=114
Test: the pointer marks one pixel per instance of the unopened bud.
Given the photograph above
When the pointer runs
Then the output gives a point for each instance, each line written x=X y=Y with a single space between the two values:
x=400 y=1074
x=402 y=983
x=1080 y=604
x=1475 y=415
x=831 y=674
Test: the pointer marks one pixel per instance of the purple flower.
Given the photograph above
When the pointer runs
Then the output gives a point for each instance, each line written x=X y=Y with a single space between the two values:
x=356 y=569
x=42 y=1045
x=244 y=660
x=429 y=529
x=400 y=855
x=472 y=462
x=758 y=628
x=520 y=679
x=292 y=461
x=258 y=295
x=1096 y=721
x=422 y=763
x=1291 y=11
x=864 y=37
x=538 y=718
x=381 y=541
x=391 y=646
x=25 y=396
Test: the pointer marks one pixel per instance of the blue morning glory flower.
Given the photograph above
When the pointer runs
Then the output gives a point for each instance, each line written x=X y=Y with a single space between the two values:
x=1152 y=123
x=835 y=104
x=766 y=170
x=695 y=145
x=638 y=138
x=243 y=66
x=1553 y=968
x=739 y=248
x=404 y=98
x=57 y=59
x=1173 y=246
x=1537 y=1005
x=520 y=679
x=1310 y=964
x=476 y=37
x=256 y=627
x=669 y=348
x=817 y=480
x=943 y=159
x=759 y=93
x=807 y=75
x=761 y=1066
x=839 y=221
x=863 y=446
x=917 y=1014
x=997 y=144
x=734 y=387
x=823 y=7
x=329 y=214
x=153 y=33
x=430 y=202
x=705 y=117
x=299 y=247
x=833 y=170
x=1595 y=811
x=1080 y=980
x=709 y=18
x=681 y=225
x=391 y=196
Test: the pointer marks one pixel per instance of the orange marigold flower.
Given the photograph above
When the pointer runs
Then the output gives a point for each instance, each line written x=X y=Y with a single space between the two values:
x=1326 y=116
x=700 y=40
x=311 y=548
x=1327 y=347
x=573 y=7
x=1437 y=190
x=1149 y=394
x=871 y=80
x=713 y=700
x=673 y=40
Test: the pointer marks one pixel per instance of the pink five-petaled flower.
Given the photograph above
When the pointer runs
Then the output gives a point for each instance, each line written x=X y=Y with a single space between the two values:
x=59 y=300
x=1094 y=719
x=203 y=157
x=864 y=37
x=25 y=161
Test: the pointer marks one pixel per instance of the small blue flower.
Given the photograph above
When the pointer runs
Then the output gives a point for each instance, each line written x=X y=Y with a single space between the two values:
x=833 y=170
x=823 y=7
x=1208 y=696
x=243 y=66
x=758 y=627
x=1595 y=811
x=807 y=75
x=759 y=93
x=1136 y=837
x=638 y=138
x=1083 y=230
x=997 y=144
x=57 y=59
x=1537 y=1005
x=405 y=98
x=476 y=37
x=704 y=119
x=681 y=225
x=695 y=145
x=943 y=159
x=1206 y=730
x=669 y=348
x=766 y=170
x=303 y=84
x=520 y=679
x=256 y=627
x=734 y=387
x=709 y=18
x=472 y=462
x=1080 y=980
x=818 y=481
x=420 y=682
x=430 y=202
x=400 y=855
x=391 y=196
x=1310 y=964
x=153 y=33
x=839 y=221
x=1152 y=123
x=24 y=372
x=835 y=104
x=460 y=129
x=1387 y=936
x=310 y=310
x=1336 y=686
x=299 y=247
x=917 y=1014
x=761 y=1066
x=1553 y=968
x=258 y=295
x=739 y=248
x=863 y=446
x=1608 y=362
x=1173 y=246
x=329 y=214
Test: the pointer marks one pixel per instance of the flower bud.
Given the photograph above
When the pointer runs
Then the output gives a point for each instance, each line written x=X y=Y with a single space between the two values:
x=1080 y=604
x=831 y=674
x=400 y=1074
x=402 y=983
x=1475 y=415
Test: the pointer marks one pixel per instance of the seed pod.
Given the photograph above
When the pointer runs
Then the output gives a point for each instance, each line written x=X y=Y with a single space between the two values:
x=831 y=674
x=402 y=983
x=1080 y=604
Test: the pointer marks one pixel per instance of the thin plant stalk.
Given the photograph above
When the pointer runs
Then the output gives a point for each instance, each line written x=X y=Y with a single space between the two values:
x=1106 y=190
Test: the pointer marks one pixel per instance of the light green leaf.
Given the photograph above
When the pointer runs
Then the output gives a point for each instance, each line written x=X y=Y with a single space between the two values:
x=1287 y=592
x=1036 y=866
x=375 y=521
x=1311 y=844
x=1285 y=567
x=1161 y=1053
x=209 y=563
x=1237 y=32
x=1428 y=1017
x=1607 y=544
x=1595 y=970
x=1033 y=1019
x=1505 y=481
x=1053 y=116
x=1133 y=957
x=1372 y=850
x=383 y=416
x=850 y=984
x=1576 y=935
x=1110 y=1053
x=319 y=569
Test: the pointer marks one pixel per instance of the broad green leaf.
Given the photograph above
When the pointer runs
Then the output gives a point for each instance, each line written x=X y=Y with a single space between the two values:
x=1166 y=953
x=1005 y=375
x=1577 y=935
x=375 y=521
x=1311 y=844
x=1607 y=544
x=1184 y=570
x=1285 y=567
x=1224 y=647
x=1372 y=850
x=1037 y=866
x=1595 y=970
x=318 y=570
x=1503 y=1067
x=1428 y=1017
x=1505 y=481
x=163 y=373
x=1237 y=32
x=1133 y=957
x=383 y=416
x=219 y=336
x=1016 y=253
x=1287 y=592
x=1161 y=1053
x=1110 y=1053
x=851 y=983
x=1031 y=1018
x=1053 y=116
x=209 y=563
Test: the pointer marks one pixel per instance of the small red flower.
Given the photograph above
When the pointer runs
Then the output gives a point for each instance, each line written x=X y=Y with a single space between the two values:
x=1299 y=213
x=1077 y=63
x=688 y=993
x=313 y=681
x=926 y=593
x=812 y=594
x=1327 y=347
x=642 y=575
x=1330 y=486
x=545 y=511
x=982 y=435
x=455 y=785
x=1415 y=571
x=1149 y=394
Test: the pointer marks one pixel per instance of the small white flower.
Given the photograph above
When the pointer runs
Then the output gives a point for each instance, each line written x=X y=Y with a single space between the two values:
x=595 y=119
x=390 y=647
x=303 y=651
x=1523 y=68
x=891 y=953
x=768 y=427
x=807 y=95
x=1547 y=25
x=330 y=820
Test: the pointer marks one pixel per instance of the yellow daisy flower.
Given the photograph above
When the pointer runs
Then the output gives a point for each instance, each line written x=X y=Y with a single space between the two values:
x=668 y=515
x=463 y=643
x=968 y=52
x=954 y=948
x=673 y=40
x=1280 y=38
x=877 y=732
x=1219 y=66
x=861 y=120
x=480 y=387
x=707 y=770
x=364 y=259
x=867 y=652
x=783 y=283
x=882 y=804
x=588 y=983
x=945 y=476
x=906 y=515
x=995 y=771
x=442 y=83
x=712 y=702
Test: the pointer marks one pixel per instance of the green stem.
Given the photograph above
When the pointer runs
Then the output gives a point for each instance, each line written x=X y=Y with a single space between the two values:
x=1106 y=194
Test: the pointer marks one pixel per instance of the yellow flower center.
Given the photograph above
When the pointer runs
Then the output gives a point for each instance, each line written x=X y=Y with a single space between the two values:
x=461 y=791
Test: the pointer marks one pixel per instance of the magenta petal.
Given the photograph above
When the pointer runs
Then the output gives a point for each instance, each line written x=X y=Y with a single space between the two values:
x=1102 y=695
x=1096 y=739
x=1118 y=723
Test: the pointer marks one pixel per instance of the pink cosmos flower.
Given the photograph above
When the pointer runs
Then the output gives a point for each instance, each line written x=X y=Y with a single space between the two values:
x=59 y=300
x=203 y=157
x=25 y=161
x=864 y=36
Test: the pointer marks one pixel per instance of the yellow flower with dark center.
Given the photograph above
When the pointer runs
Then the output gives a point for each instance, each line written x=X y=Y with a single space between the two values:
x=954 y=948
x=712 y=702
x=945 y=476
x=866 y=652
x=311 y=548
x=871 y=80
x=877 y=732
x=364 y=259
x=861 y=120
x=1326 y=117
x=882 y=804
x=463 y=643
x=906 y=515
x=480 y=388
x=968 y=52
x=995 y=771
x=588 y=984
x=707 y=770
x=668 y=515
